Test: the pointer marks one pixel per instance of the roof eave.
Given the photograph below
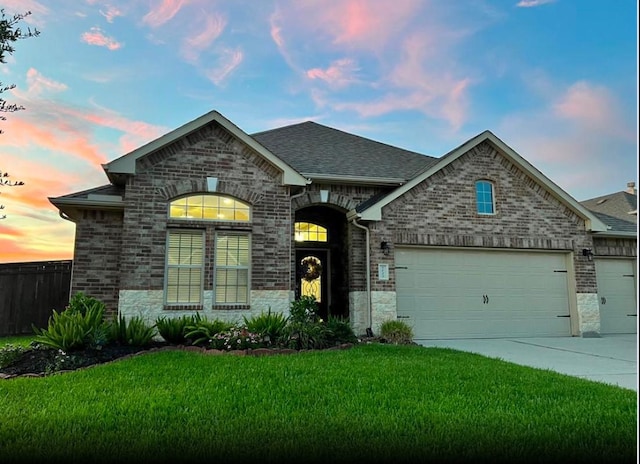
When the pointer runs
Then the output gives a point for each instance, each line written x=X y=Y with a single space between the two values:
x=70 y=206
x=616 y=234
x=354 y=180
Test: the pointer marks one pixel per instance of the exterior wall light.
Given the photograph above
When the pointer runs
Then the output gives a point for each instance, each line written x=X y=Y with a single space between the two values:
x=385 y=247
x=588 y=253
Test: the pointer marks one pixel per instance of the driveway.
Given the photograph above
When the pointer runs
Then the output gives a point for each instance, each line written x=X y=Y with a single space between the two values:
x=610 y=359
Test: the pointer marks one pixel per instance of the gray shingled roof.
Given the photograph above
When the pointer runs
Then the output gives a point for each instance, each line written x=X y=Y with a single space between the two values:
x=614 y=209
x=312 y=148
x=109 y=189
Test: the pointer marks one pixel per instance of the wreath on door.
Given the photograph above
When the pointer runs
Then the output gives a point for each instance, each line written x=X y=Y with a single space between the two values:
x=311 y=268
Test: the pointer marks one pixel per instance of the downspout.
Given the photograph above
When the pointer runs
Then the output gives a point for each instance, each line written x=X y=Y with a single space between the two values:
x=292 y=216
x=368 y=261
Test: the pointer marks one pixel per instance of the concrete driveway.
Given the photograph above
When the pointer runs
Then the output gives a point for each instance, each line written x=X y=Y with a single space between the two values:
x=610 y=359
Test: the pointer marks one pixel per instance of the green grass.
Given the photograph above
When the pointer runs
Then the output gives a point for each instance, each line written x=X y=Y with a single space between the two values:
x=372 y=403
x=21 y=340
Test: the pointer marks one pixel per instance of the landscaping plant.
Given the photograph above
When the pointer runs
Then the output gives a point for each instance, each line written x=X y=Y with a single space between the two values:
x=200 y=331
x=174 y=329
x=132 y=332
x=396 y=332
x=270 y=326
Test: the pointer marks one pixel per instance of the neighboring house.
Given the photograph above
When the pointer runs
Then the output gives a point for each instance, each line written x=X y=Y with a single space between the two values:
x=207 y=218
x=616 y=272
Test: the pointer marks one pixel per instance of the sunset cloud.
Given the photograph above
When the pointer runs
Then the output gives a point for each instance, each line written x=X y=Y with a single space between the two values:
x=229 y=60
x=163 y=11
x=339 y=74
x=193 y=45
x=532 y=3
x=37 y=84
x=98 y=38
x=111 y=13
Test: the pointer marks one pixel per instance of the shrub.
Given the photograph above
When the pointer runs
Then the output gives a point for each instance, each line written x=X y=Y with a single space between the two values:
x=305 y=335
x=200 y=331
x=134 y=332
x=236 y=339
x=10 y=353
x=82 y=304
x=304 y=309
x=174 y=329
x=75 y=328
x=396 y=332
x=269 y=326
x=339 y=331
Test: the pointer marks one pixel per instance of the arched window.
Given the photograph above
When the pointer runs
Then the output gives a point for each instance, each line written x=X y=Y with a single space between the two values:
x=209 y=207
x=485 y=201
x=308 y=232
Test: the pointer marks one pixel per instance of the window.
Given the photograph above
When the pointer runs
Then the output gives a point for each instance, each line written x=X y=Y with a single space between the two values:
x=484 y=197
x=185 y=261
x=308 y=232
x=209 y=207
x=232 y=269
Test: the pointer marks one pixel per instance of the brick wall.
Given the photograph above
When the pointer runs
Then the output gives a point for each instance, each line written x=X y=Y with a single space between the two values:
x=96 y=259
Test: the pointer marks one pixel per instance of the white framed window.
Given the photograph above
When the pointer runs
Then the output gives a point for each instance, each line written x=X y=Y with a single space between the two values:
x=231 y=268
x=209 y=207
x=184 y=267
x=485 y=199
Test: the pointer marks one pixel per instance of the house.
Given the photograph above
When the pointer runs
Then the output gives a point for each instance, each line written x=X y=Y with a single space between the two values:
x=477 y=243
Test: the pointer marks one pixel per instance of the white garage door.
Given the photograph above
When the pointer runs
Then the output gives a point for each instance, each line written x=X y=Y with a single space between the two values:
x=617 y=294
x=482 y=294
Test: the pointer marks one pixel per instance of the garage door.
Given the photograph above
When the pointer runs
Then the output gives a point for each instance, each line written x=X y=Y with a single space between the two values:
x=617 y=294
x=482 y=294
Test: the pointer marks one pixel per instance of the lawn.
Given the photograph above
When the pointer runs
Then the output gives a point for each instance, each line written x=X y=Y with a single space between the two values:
x=372 y=403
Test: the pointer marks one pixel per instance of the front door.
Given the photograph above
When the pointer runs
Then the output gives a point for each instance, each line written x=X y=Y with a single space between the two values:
x=312 y=277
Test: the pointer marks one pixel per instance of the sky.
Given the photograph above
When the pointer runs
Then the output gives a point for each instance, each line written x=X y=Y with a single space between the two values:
x=556 y=80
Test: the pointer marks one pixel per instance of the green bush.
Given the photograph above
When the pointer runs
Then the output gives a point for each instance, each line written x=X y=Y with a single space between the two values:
x=75 y=328
x=396 y=332
x=339 y=331
x=305 y=335
x=270 y=326
x=200 y=331
x=82 y=304
x=133 y=332
x=10 y=353
x=304 y=309
x=174 y=329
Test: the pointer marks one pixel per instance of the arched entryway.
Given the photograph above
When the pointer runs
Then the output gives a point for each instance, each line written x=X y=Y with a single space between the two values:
x=321 y=259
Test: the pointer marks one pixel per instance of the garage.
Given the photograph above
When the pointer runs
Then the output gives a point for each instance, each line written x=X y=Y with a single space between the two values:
x=445 y=293
x=617 y=295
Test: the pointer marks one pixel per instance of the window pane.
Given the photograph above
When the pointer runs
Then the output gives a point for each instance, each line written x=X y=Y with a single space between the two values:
x=484 y=197
x=232 y=268
x=185 y=258
x=211 y=207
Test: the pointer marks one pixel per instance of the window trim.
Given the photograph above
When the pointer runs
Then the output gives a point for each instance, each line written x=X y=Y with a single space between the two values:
x=491 y=184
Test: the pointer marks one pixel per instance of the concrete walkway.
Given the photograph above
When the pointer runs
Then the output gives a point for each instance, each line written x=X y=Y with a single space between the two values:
x=610 y=359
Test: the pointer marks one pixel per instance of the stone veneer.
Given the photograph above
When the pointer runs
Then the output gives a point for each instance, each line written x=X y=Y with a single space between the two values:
x=149 y=304
x=588 y=314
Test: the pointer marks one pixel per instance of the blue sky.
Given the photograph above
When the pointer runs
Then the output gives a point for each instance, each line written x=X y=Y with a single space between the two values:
x=555 y=80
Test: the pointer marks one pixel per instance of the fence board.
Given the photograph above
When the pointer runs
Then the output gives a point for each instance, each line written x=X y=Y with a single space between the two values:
x=30 y=291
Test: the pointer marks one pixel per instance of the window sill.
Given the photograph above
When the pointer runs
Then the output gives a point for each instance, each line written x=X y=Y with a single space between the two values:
x=220 y=307
x=183 y=307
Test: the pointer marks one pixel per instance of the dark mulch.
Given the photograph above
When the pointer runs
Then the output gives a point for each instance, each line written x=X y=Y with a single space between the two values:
x=41 y=360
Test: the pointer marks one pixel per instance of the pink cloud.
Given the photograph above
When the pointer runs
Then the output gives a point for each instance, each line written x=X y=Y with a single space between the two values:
x=532 y=3
x=213 y=27
x=164 y=12
x=96 y=37
x=339 y=74
x=589 y=105
x=111 y=13
x=37 y=9
x=38 y=84
x=229 y=60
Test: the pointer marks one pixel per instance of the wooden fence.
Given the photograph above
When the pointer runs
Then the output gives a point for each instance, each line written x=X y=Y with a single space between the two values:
x=30 y=291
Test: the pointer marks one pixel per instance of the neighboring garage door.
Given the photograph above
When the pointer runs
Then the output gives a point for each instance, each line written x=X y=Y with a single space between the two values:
x=482 y=294
x=617 y=293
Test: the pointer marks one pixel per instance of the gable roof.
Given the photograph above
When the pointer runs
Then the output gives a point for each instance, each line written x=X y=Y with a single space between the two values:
x=373 y=212
x=127 y=164
x=618 y=210
x=326 y=154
